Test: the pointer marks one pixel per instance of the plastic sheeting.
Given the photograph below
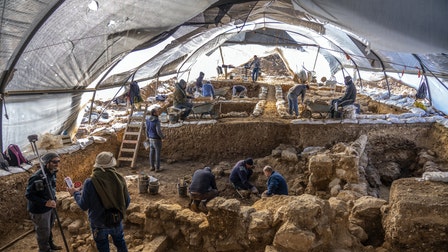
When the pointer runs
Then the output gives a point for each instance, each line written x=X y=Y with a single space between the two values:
x=61 y=47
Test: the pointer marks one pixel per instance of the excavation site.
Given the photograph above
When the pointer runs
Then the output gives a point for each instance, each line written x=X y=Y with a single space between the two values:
x=368 y=181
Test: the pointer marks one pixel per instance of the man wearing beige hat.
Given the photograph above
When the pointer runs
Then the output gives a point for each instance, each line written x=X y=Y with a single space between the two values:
x=106 y=197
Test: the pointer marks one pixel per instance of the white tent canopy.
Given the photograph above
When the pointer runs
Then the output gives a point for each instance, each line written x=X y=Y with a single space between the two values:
x=53 y=53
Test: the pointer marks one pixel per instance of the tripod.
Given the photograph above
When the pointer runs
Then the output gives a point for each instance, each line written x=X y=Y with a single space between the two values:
x=33 y=139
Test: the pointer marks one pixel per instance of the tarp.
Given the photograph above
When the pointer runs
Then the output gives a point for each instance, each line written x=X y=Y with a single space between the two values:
x=63 y=49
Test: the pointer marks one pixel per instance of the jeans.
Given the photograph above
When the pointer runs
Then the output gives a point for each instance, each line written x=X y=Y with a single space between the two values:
x=101 y=237
x=43 y=224
x=293 y=104
x=155 y=146
x=255 y=73
x=187 y=107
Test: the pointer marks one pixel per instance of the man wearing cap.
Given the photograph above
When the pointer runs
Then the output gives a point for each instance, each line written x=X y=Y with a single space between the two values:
x=202 y=189
x=348 y=98
x=106 y=197
x=241 y=173
x=276 y=183
x=41 y=202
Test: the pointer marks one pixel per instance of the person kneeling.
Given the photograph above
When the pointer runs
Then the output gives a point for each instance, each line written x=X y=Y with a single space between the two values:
x=276 y=183
x=202 y=189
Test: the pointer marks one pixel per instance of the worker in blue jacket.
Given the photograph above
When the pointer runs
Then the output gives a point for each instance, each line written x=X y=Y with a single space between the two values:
x=276 y=183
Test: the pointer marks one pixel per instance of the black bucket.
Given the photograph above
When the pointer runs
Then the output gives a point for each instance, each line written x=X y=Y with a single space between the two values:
x=182 y=190
x=143 y=182
x=153 y=188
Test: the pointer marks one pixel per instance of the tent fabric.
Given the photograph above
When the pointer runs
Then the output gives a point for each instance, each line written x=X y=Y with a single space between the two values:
x=67 y=47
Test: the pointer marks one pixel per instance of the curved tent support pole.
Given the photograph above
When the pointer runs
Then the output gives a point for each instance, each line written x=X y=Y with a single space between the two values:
x=424 y=74
x=384 y=71
x=222 y=58
x=1 y=123
x=7 y=74
x=315 y=60
x=91 y=106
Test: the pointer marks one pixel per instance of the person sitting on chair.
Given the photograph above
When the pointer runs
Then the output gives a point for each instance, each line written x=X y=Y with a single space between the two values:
x=348 y=98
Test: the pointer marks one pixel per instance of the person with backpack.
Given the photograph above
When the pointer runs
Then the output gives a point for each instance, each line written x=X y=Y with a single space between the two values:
x=41 y=201
x=106 y=197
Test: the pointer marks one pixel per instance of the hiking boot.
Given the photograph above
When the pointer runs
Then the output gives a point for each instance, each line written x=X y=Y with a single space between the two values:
x=159 y=170
x=152 y=169
x=54 y=246
x=202 y=207
x=194 y=207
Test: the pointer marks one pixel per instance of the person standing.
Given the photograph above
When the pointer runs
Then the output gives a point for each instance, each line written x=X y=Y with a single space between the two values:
x=155 y=135
x=199 y=82
x=202 y=189
x=241 y=173
x=293 y=95
x=134 y=93
x=256 y=69
x=180 y=99
x=41 y=201
x=276 y=183
x=208 y=90
x=105 y=196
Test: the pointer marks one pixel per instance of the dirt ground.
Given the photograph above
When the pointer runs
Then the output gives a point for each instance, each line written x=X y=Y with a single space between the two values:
x=78 y=165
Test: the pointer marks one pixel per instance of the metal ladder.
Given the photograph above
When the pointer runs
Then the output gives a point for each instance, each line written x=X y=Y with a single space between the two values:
x=132 y=136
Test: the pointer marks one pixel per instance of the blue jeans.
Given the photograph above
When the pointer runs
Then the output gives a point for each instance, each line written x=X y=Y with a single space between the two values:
x=255 y=73
x=187 y=107
x=101 y=237
x=155 y=146
x=293 y=104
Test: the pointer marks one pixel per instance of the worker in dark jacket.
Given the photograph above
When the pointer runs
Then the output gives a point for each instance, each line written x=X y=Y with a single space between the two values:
x=203 y=188
x=181 y=99
x=241 y=173
x=155 y=135
x=134 y=94
x=199 y=82
x=276 y=183
x=293 y=95
x=106 y=189
x=41 y=201
x=348 y=99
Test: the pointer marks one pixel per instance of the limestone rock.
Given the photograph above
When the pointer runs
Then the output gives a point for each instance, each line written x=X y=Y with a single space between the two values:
x=417 y=216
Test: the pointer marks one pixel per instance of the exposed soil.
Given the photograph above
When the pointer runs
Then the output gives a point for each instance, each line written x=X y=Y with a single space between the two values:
x=186 y=150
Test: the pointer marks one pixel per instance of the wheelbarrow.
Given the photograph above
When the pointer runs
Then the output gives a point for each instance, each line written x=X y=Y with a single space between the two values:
x=221 y=92
x=203 y=109
x=320 y=107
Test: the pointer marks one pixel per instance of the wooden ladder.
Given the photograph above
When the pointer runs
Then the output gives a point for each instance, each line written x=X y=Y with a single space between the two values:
x=132 y=135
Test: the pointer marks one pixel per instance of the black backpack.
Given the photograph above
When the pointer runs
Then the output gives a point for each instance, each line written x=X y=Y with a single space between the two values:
x=421 y=92
x=3 y=163
x=14 y=156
